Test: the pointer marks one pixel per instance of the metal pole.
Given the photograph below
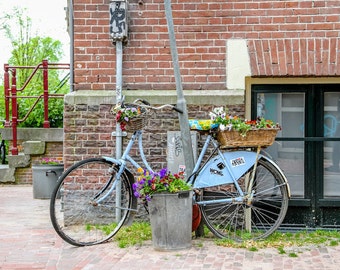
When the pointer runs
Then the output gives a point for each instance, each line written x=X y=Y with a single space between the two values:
x=119 y=85
x=45 y=78
x=118 y=32
x=71 y=33
x=119 y=139
x=14 y=150
x=181 y=102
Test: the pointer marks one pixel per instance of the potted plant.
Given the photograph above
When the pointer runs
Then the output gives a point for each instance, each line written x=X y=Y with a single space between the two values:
x=45 y=176
x=169 y=199
x=150 y=183
x=234 y=131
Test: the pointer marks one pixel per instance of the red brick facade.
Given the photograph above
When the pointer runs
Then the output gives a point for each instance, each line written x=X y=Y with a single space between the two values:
x=285 y=38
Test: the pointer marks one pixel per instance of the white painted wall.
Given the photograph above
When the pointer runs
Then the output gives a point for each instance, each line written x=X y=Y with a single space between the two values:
x=238 y=63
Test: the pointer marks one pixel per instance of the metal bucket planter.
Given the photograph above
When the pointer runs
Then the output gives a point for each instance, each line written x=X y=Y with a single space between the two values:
x=44 y=179
x=171 y=220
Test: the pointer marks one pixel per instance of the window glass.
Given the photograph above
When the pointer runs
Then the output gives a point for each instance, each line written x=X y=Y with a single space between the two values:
x=332 y=148
x=288 y=110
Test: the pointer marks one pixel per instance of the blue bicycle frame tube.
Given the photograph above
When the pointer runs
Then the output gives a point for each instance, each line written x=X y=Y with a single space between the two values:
x=124 y=158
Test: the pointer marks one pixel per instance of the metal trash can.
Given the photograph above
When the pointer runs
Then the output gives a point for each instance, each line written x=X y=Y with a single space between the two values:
x=44 y=179
x=171 y=220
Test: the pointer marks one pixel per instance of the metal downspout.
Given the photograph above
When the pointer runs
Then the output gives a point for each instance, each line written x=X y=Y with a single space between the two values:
x=119 y=138
x=118 y=33
x=71 y=34
x=119 y=85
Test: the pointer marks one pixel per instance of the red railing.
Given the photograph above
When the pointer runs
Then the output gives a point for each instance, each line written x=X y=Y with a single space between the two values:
x=11 y=90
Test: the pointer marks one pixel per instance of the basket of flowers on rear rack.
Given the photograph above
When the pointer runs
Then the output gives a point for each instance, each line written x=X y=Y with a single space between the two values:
x=234 y=131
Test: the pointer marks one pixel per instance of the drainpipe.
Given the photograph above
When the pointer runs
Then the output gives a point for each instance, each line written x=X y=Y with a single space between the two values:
x=119 y=84
x=118 y=33
x=71 y=34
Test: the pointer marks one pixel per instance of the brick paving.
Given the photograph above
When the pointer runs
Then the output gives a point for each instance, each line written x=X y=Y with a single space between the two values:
x=28 y=241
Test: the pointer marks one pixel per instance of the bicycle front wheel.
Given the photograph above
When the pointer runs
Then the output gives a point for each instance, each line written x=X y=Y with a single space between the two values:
x=75 y=212
x=253 y=216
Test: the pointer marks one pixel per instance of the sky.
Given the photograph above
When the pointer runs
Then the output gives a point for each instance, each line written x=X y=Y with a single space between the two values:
x=48 y=19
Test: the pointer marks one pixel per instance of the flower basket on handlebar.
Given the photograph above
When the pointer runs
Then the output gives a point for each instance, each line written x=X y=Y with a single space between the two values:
x=131 y=117
x=253 y=138
x=136 y=123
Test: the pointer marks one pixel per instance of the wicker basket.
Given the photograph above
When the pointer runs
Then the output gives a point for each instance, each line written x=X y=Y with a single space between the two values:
x=253 y=138
x=136 y=123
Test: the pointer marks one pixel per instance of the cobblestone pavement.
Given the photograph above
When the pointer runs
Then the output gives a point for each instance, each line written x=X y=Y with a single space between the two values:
x=28 y=241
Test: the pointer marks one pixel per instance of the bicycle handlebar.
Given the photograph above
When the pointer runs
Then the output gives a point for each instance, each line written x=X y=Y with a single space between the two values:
x=145 y=104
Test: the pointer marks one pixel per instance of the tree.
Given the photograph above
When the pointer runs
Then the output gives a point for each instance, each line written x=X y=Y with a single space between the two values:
x=31 y=50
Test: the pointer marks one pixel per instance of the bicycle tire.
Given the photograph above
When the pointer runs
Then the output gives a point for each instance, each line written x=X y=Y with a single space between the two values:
x=248 y=220
x=75 y=216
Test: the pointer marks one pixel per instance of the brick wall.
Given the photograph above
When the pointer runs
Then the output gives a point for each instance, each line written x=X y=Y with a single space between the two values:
x=282 y=36
x=92 y=140
x=88 y=132
x=202 y=28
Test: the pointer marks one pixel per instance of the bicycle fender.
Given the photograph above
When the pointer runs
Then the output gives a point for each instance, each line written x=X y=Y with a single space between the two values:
x=215 y=172
x=131 y=178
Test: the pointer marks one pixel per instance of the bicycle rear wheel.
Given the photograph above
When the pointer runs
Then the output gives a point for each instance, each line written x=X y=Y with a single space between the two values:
x=74 y=212
x=246 y=219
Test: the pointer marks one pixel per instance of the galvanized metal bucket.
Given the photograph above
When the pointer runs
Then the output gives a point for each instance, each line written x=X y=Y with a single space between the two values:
x=171 y=220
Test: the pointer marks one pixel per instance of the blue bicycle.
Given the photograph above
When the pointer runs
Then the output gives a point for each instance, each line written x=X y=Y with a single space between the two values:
x=241 y=193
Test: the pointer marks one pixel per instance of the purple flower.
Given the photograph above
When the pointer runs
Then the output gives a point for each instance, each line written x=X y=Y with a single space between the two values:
x=134 y=186
x=163 y=172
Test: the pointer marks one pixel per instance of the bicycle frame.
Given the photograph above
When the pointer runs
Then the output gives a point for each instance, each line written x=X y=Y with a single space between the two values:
x=227 y=168
x=221 y=171
x=224 y=168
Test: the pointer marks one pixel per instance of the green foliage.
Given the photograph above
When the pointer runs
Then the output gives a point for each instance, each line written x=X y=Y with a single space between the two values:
x=289 y=244
x=285 y=241
x=132 y=235
x=281 y=250
x=30 y=51
x=35 y=118
x=149 y=183
x=292 y=255
x=229 y=122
